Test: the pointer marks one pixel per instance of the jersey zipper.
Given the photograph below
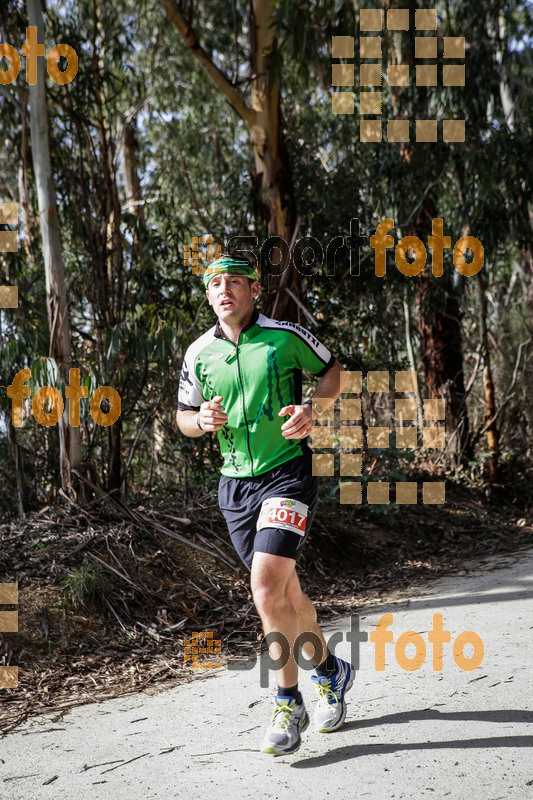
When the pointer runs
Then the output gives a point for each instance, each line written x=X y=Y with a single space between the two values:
x=244 y=408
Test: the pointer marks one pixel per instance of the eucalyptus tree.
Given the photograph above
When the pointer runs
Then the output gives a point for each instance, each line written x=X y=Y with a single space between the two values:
x=252 y=45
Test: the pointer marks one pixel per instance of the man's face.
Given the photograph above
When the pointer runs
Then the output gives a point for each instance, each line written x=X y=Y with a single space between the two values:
x=231 y=296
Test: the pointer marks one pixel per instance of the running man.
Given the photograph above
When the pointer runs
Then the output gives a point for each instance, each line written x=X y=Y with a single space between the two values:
x=241 y=379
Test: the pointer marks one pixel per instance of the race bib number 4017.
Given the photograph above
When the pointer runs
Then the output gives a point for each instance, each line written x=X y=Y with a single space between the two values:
x=281 y=512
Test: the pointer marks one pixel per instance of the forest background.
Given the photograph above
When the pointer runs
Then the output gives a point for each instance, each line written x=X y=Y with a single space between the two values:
x=194 y=119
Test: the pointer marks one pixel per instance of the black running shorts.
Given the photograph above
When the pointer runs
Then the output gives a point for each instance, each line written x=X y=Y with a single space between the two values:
x=240 y=501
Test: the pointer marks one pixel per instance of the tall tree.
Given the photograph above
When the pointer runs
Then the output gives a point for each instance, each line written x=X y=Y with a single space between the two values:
x=437 y=301
x=264 y=121
x=58 y=317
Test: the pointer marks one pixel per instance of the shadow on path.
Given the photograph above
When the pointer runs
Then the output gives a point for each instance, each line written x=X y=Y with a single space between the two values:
x=500 y=715
x=358 y=750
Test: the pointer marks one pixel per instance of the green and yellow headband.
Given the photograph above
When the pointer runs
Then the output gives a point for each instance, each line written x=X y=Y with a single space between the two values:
x=230 y=264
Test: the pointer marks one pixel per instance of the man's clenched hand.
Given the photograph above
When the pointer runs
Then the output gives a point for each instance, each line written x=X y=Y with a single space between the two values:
x=300 y=423
x=212 y=416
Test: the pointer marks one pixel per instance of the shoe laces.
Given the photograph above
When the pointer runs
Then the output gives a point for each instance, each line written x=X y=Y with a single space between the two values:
x=281 y=715
x=326 y=692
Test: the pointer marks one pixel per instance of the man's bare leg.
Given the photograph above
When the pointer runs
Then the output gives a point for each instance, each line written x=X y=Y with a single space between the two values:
x=308 y=620
x=283 y=607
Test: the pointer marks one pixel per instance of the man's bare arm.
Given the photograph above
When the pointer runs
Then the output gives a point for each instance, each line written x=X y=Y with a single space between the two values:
x=187 y=423
x=329 y=387
x=327 y=390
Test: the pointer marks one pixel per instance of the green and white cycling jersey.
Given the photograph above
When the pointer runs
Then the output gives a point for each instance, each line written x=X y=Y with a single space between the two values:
x=255 y=378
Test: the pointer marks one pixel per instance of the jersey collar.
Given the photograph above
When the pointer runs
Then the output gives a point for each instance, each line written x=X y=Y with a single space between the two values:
x=253 y=320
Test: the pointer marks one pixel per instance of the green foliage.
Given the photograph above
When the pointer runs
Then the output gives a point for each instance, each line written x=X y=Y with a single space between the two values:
x=128 y=640
x=86 y=584
x=196 y=168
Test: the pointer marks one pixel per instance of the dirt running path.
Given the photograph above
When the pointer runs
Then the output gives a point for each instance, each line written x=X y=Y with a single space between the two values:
x=457 y=734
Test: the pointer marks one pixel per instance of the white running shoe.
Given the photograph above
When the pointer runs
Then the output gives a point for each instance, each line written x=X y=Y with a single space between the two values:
x=288 y=721
x=330 y=710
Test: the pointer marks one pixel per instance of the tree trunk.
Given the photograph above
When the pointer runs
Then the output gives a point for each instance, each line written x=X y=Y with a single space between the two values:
x=16 y=452
x=411 y=357
x=58 y=319
x=442 y=357
x=493 y=443
x=437 y=302
x=131 y=172
x=114 y=440
x=114 y=277
x=498 y=33
x=112 y=299
x=273 y=172
x=500 y=54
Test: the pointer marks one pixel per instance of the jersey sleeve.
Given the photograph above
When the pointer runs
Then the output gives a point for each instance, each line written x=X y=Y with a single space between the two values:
x=311 y=354
x=190 y=395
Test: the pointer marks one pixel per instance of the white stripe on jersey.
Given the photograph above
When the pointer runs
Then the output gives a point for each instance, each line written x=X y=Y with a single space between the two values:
x=319 y=349
x=190 y=389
